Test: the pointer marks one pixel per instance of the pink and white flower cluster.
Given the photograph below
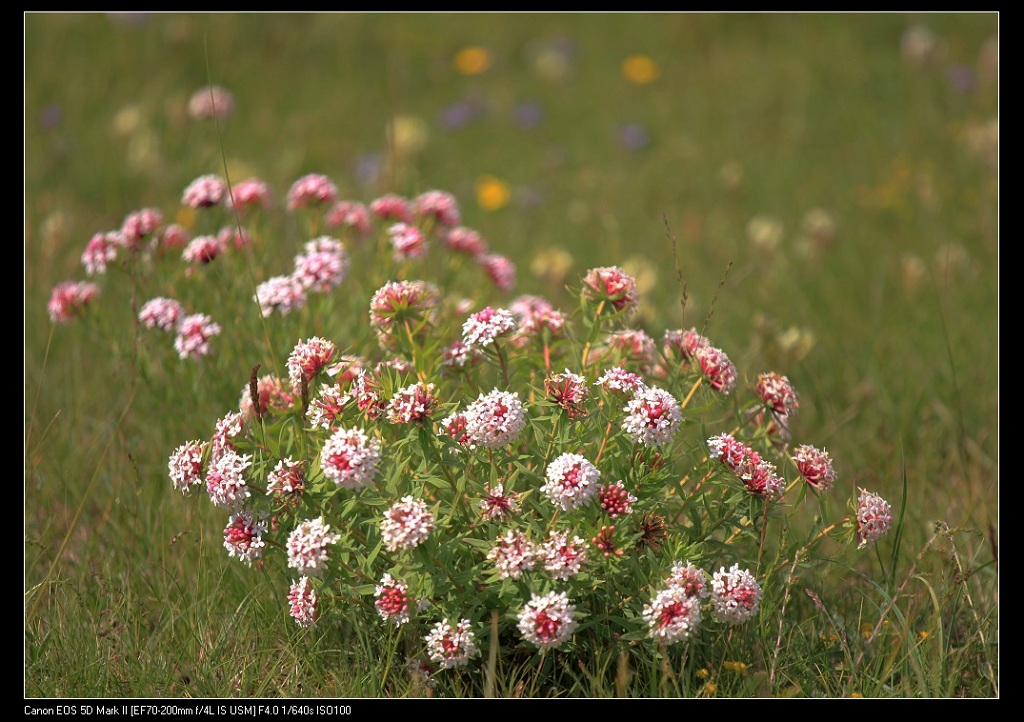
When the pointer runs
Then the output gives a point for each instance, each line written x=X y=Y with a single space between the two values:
x=349 y=458
x=874 y=515
x=571 y=481
x=735 y=595
x=495 y=419
x=307 y=546
x=406 y=525
x=652 y=417
x=548 y=620
x=758 y=474
x=451 y=644
x=483 y=328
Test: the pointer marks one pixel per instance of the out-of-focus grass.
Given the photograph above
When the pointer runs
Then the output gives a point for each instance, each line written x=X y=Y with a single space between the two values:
x=888 y=326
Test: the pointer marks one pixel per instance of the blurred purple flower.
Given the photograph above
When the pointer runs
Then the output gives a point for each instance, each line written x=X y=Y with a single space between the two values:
x=51 y=117
x=962 y=78
x=369 y=167
x=460 y=114
x=528 y=114
x=633 y=136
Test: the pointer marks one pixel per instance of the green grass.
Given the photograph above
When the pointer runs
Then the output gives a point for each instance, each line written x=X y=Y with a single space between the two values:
x=127 y=590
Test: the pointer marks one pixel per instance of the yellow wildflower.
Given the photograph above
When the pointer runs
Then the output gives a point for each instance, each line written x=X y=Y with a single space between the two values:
x=492 y=193
x=473 y=60
x=640 y=69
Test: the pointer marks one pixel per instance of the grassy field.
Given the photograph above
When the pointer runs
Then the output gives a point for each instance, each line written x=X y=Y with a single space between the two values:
x=819 y=193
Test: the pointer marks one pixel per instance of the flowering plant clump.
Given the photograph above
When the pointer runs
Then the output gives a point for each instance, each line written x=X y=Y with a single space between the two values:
x=459 y=461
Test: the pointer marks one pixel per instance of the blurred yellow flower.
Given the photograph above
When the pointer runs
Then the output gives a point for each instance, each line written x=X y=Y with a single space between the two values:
x=552 y=264
x=473 y=60
x=702 y=673
x=409 y=134
x=492 y=193
x=640 y=69
x=735 y=666
x=643 y=271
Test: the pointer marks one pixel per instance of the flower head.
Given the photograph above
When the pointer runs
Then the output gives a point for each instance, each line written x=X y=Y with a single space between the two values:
x=69 y=299
x=438 y=205
x=302 y=600
x=251 y=193
x=173 y=237
x=243 y=536
x=412 y=404
x=366 y=394
x=451 y=645
x=287 y=481
x=307 y=546
x=312 y=190
x=495 y=419
x=563 y=557
x=465 y=240
x=350 y=215
x=496 y=502
x=512 y=554
x=652 y=417
x=717 y=369
x=568 y=390
x=571 y=481
x=403 y=307
x=759 y=477
x=735 y=595
x=349 y=458
x=692 y=580
x=611 y=286
x=683 y=345
x=392 y=207
x=629 y=348
x=454 y=427
x=406 y=525
x=777 y=393
x=204 y=192
x=547 y=621
x=307 y=359
x=227 y=428
x=499 y=269
x=874 y=515
x=161 y=313
x=757 y=474
x=323 y=266
x=484 y=327
x=619 y=381
x=271 y=395
x=225 y=479
x=185 y=465
x=211 y=101
x=101 y=251
x=536 y=315
x=815 y=466
x=458 y=355
x=393 y=603
x=615 y=500
x=139 y=225
x=202 y=249
x=194 y=334
x=672 y=615
x=407 y=241
x=280 y=293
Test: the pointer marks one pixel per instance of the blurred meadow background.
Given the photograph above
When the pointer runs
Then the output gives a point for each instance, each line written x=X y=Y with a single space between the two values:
x=818 y=192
